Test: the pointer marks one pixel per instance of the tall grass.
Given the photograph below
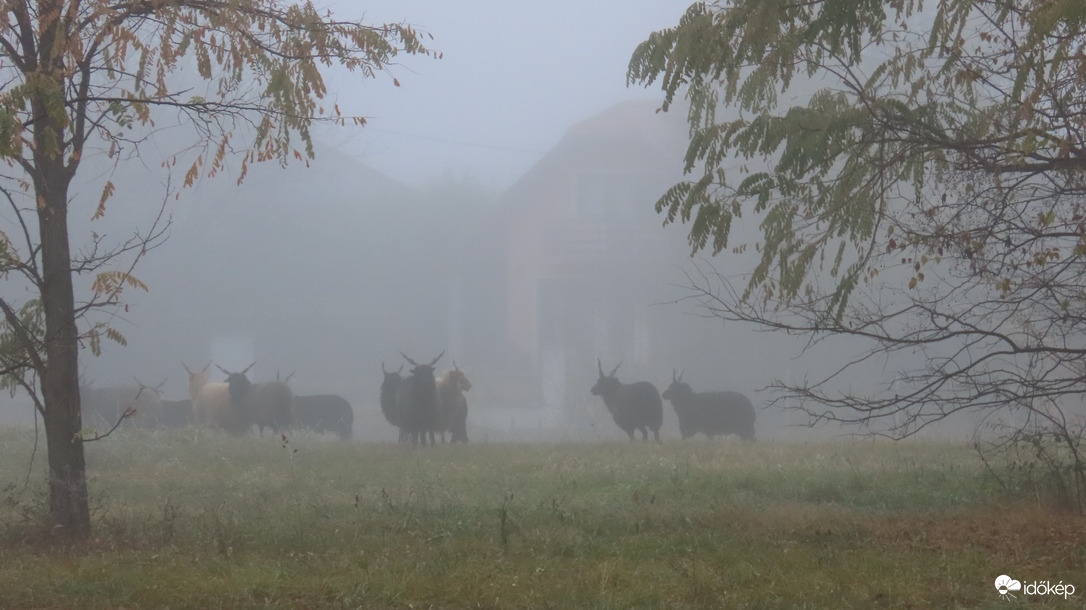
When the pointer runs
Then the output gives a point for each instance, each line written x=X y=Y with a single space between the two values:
x=196 y=519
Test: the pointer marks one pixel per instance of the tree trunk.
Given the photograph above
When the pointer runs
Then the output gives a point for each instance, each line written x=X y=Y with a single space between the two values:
x=54 y=165
x=69 y=509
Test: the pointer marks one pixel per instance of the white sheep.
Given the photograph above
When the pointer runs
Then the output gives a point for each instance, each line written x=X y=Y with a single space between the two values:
x=454 y=406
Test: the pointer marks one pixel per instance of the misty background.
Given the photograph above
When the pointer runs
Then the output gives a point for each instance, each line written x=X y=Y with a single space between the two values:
x=497 y=206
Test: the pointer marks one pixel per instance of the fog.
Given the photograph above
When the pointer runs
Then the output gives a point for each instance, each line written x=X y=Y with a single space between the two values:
x=512 y=79
x=498 y=206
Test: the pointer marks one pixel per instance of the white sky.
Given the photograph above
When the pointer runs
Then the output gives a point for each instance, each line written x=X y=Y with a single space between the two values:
x=514 y=77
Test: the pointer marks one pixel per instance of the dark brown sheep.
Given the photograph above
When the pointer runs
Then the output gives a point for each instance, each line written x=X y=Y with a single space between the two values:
x=635 y=406
x=176 y=413
x=390 y=385
x=418 y=402
x=273 y=406
x=325 y=413
x=710 y=413
x=268 y=404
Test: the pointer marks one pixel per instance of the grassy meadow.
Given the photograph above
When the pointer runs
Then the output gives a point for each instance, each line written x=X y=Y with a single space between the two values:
x=193 y=519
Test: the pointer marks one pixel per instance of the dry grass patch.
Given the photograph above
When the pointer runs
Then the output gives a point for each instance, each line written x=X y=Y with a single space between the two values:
x=1017 y=534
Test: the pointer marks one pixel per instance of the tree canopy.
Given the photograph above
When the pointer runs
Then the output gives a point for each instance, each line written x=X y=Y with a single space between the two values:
x=917 y=173
x=897 y=100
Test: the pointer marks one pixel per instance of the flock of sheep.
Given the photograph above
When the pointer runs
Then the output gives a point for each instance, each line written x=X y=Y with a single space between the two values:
x=423 y=407
x=235 y=405
x=639 y=407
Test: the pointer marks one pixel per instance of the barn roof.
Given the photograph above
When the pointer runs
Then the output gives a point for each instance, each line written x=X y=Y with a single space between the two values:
x=629 y=137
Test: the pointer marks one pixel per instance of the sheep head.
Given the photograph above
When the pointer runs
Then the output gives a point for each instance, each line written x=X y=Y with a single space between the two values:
x=143 y=387
x=678 y=389
x=422 y=369
x=459 y=379
x=607 y=383
x=239 y=383
x=197 y=379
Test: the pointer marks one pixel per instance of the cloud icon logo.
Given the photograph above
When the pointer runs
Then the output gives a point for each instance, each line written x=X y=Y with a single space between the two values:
x=1005 y=584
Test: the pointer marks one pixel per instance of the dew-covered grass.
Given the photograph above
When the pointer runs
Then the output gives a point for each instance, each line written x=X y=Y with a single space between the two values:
x=193 y=519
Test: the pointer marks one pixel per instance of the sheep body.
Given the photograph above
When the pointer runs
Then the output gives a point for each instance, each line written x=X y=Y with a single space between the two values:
x=212 y=408
x=634 y=406
x=325 y=413
x=271 y=404
x=390 y=385
x=454 y=406
x=211 y=405
x=267 y=404
x=418 y=402
x=103 y=407
x=710 y=413
x=176 y=413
